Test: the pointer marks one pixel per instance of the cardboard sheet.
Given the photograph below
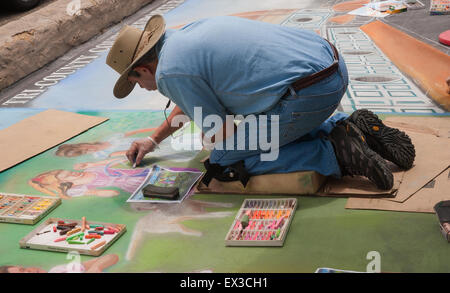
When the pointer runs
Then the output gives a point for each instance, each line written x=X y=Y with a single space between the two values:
x=428 y=182
x=429 y=136
x=422 y=202
x=432 y=157
x=39 y=133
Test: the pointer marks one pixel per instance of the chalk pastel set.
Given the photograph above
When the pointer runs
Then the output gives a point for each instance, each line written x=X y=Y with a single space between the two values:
x=86 y=237
x=262 y=222
x=25 y=209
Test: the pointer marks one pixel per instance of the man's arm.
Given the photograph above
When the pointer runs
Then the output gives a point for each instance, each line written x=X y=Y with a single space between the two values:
x=166 y=128
x=142 y=146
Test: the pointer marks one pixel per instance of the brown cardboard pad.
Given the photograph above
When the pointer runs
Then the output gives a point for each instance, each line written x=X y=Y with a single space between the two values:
x=431 y=160
x=289 y=183
x=40 y=132
x=428 y=181
x=422 y=202
x=359 y=186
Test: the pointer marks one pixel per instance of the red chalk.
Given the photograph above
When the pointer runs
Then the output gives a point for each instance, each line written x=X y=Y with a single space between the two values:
x=108 y=232
x=54 y=228
x=113 y=229
x=61 y=222
x=98 y=228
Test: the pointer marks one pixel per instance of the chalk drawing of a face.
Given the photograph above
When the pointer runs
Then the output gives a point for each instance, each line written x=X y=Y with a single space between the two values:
x=167 y=218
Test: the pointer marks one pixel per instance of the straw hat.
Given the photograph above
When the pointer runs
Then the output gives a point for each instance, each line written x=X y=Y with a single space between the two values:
x=131 y=44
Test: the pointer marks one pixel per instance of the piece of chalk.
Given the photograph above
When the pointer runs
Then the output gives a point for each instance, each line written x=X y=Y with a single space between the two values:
x=54 y=228
x=108 y=232
x=98 y=229
x=113 y=229
x=90 y=241
x=134 y=165
x=74 y=236
x=67 y=224
x=73 y=231
x=64 y=232
x=60 y=239
x=90 y=236
x=96 y=232
x=98 y=245
x=75 y=242
x=43 y=232
x=61 y=222
x=83 y=223
x=278 y=233
x=244 y=221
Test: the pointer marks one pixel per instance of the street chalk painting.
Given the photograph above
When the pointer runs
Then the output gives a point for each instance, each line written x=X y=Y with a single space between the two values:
x=186 y=237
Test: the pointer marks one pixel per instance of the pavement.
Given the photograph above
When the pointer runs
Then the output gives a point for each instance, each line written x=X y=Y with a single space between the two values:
x=190 y=237
x=30 y=40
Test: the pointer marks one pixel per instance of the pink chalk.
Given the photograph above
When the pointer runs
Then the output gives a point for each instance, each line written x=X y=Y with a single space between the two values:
x=60 y=239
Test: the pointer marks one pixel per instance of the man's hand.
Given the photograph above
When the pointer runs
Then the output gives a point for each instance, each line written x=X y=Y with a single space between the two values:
x=138 y=149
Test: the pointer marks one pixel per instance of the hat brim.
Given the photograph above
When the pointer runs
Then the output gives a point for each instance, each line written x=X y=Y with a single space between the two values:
x=123 y=86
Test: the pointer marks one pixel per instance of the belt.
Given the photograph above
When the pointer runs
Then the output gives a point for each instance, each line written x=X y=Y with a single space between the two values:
x=318 y=76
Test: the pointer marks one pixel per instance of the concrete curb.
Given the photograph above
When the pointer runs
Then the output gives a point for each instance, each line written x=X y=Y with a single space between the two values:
x=38 y=38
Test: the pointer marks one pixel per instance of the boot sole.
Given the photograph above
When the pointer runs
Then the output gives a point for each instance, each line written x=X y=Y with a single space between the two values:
x=379 y=173
x=392 y=144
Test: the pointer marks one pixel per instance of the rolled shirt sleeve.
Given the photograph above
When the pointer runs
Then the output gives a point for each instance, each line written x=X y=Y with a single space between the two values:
x=189 y=92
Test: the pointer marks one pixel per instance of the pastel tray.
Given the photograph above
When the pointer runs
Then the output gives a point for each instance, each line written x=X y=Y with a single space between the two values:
x=25 y=209
x=36 y=239
x=268 y=222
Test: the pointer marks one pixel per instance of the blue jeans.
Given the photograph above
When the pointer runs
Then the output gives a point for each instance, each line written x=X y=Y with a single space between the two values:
x=303 y=119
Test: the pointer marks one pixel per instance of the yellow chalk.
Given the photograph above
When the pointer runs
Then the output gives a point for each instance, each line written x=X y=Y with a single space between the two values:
x=73 y=231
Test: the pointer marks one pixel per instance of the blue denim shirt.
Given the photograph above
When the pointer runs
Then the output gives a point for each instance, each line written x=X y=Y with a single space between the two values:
x=232 y=65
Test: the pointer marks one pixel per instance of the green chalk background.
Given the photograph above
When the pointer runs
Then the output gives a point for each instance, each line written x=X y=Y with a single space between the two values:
x=323 y=233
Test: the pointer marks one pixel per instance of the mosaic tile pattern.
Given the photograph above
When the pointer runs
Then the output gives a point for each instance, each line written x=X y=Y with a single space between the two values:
x=375 y=83
x=312 y=19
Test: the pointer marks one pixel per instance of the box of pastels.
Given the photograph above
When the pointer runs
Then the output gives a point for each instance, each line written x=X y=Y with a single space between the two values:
x=62 y=235
x=262 y=222
x=25 y=209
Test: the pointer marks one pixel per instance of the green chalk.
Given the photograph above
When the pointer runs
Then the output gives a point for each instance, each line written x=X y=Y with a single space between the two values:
x=244 y=221
x=278 y=232
x=74 y=236
x=90 y=241
x=95 y=226
x=75 y=242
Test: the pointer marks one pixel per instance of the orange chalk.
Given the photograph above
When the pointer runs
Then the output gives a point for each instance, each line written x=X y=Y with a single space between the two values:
x=100 y=244
x=90 y=236
x=83 y=224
